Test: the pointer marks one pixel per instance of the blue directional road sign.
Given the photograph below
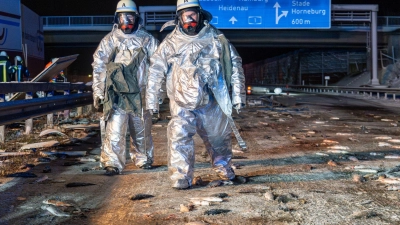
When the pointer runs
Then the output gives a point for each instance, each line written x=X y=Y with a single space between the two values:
x=269 y=14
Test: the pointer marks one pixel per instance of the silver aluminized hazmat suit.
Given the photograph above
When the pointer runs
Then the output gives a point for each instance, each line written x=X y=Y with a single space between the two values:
x=199 y=98
x=120 y=117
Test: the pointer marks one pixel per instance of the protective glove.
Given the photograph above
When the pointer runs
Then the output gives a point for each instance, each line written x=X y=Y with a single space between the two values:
x=97 y=101
x=238 y=107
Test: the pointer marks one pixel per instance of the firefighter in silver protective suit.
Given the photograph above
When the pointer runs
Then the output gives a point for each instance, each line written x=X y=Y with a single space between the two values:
x=200 y=66
x=120 y=67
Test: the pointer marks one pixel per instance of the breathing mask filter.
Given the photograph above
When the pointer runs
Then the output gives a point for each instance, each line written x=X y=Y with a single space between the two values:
x=126 y=22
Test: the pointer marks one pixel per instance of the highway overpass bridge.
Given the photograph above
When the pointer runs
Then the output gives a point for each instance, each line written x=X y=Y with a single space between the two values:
x=352 y=27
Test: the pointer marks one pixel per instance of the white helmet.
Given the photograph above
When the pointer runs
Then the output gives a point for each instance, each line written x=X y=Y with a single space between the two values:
x=183 y=4
x=18 y=58
x=3 y=53
x=126 y=6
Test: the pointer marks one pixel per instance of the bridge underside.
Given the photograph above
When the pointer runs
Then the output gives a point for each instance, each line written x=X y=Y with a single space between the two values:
x=242 y=38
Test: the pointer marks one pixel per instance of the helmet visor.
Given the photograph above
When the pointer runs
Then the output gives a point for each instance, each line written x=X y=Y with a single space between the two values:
x=126 y=20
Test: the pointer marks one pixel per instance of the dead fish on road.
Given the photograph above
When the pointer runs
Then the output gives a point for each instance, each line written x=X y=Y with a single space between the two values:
x=72 y=163
x=78 y=184
x=56 y=203
x=41 y=179
x=54 y=210
x=22 y=174
x=208 y=199
x=389 y=180
x=141 y=196
x=43 y=159
x=221 y=195
x=216 y=211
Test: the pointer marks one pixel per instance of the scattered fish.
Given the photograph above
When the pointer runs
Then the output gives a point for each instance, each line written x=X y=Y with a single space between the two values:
x=196 y=223
x=389 y=181
x=386 y=120
x=78 y=184
x=358 y=178
x=394 y=140
x=329 y=141
x=384 y=144
x=184 y=208
x=208 y=199
x=220 y=195
x=338 y=151
x=47 y=144
x=339 y=147
x=26 y=166
x=352 y=158
x=52 y=132
x=58 y=181
x=363 y=214
x=269 y=196
x=236 y=166
x=43 y=159
x=237 y=151
x=71 y=163
x=85 y=169
x=215 y=183
x=56 y=203
x=47 y=169
x=54 y=210
x=141 y=196
x=367 y=170
x=227 y=182
x=392 y=157
x=216 y=211
x=383 y=138
x=322 y=154
x=344 y=134
x=87 y=160
x=22 y=174
x=239 y=179
x=393 y=188
x=201 y=203
x=376 y=153
x=41 y=179
x=353 y=139
x=332 y=163
x=366 y=202
x=319 y=122
x=334 y=118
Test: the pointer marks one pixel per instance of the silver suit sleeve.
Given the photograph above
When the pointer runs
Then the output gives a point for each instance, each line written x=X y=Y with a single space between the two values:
x=157 y=71
x=238 y=79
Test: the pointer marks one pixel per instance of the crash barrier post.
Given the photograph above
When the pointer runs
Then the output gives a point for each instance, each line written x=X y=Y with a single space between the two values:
x=50 y=123
x=28 y=122
x=66 y=112
x=2 y=128
x=79 y=110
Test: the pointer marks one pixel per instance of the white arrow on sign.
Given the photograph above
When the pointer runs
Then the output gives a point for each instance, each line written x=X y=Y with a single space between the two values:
x=233 y=20
x=284 y=13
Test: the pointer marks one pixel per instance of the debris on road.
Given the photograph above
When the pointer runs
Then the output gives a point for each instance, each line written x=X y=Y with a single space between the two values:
x=54 y=210
x=78 y=184
x=141 y=196
x=40 y=145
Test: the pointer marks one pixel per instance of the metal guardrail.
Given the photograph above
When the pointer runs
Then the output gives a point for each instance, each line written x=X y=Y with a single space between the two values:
x=373 y=92
x=18 y=110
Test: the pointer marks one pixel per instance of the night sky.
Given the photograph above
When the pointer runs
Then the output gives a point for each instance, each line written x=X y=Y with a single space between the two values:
x=82 y=66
